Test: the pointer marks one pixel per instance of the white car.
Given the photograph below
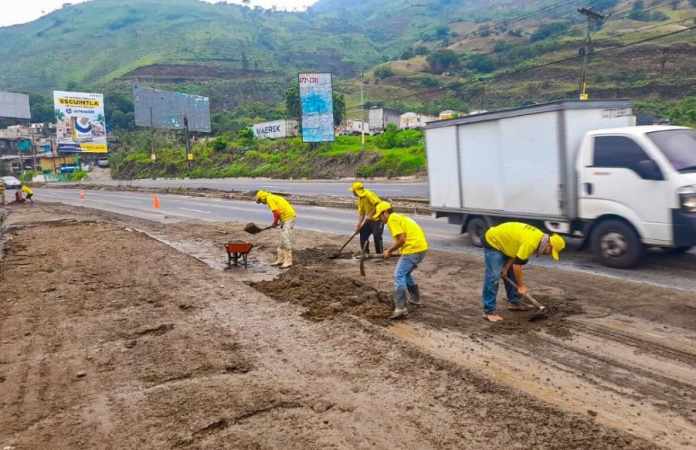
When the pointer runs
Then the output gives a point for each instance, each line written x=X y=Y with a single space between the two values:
x=11 y=182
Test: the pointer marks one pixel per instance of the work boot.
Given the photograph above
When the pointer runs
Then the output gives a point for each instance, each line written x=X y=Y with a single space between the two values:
x=279 y=257
x=400 y=309
x=414 y=295
x=287 y=260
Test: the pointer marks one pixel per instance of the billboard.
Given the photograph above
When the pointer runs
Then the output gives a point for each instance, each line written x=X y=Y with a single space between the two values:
x=275 y=129
x=14 y=106
x=167 y=110
x=80 y=122
x=316 y=97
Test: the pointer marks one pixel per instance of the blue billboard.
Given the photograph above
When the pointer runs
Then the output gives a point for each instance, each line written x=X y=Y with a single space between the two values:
x=316 y=97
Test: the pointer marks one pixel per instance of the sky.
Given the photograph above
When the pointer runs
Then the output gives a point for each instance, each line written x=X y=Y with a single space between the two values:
x=22 y=11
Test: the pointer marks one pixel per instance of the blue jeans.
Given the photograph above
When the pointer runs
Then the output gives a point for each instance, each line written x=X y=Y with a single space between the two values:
x=406 y=265
x=495 y=261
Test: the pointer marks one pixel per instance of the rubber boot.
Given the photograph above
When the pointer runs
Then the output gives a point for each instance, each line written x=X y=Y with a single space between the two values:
x=279 y=257
x=414 y=295
x=287 y=263
x=399 y=304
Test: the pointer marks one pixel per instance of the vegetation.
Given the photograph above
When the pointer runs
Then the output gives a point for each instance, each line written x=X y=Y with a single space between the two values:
x=394 y=153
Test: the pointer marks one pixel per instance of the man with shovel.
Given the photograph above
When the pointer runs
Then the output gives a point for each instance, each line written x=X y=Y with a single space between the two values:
x=367 y=202
x=409 y=238
x=507 y=247
x=283 y=215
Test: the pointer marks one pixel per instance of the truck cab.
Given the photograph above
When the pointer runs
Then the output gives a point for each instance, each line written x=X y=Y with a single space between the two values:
x=637 y=189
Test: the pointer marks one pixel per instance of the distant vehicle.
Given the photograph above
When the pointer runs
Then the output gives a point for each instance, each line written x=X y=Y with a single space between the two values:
x=103 y=163
x=11 y=182
x=581 y=169
x=68 y=168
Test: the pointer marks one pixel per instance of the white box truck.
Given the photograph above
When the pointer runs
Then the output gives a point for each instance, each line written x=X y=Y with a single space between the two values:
x=582 y=169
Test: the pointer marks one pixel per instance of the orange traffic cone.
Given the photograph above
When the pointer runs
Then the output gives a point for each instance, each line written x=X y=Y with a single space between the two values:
x=155 y=201
x=82 y=196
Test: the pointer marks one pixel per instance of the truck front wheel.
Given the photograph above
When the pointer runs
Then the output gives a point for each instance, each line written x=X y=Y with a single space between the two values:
x=476 y=228
x=616 y=244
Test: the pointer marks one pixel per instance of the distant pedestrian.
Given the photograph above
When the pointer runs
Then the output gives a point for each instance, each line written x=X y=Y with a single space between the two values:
x=367 y=226
x=283 y=216
x=28 y=193
x=507 y=247
x=410 y=240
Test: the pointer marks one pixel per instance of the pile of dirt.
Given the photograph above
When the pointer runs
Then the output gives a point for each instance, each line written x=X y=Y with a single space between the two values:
x=314 y=255
x=327 y=295
x=554 y=323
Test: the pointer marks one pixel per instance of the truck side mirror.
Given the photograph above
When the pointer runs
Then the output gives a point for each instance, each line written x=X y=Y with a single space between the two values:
x=649 y=170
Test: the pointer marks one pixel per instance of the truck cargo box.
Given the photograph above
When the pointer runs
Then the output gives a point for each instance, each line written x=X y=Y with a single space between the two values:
x=516 y=162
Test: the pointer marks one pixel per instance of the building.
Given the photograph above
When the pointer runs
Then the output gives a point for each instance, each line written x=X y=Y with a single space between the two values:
x=449 y=114
x=380 y=118
x=414 y=120
x=356 y=127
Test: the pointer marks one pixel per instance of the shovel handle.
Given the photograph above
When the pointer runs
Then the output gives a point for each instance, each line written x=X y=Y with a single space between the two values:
x=527 y=296
x=348 y=242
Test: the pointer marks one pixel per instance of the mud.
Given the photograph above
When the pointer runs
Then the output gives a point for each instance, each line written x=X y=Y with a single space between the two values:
x=553 y=320
x=327 y=295
x=147 y=347
x=319 y=255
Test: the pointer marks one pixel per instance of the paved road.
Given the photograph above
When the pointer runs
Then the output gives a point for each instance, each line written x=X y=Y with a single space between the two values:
x=410 y=189
x=659 y=269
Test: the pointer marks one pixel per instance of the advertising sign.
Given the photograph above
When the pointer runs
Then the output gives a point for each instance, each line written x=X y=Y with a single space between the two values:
x=167 y=110
x=316 y=97
x=275 y=129
x=80 y=122
x=14 y=106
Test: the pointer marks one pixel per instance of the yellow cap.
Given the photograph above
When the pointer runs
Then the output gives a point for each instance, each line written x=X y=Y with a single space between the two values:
x=558 y=244
x=261 y=196
x=357 y=186
x=380 y=208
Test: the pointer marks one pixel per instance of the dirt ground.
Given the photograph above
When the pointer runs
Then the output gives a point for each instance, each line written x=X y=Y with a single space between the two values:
x=119 y=333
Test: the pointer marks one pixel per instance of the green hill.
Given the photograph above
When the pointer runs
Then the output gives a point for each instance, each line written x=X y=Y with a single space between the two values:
x=423 y=55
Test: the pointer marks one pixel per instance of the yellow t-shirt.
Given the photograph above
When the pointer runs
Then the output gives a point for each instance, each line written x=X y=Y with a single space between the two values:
x=278 y=203
x=515 y=240
x=415 y=237
x=367 y=201
x=27 y=190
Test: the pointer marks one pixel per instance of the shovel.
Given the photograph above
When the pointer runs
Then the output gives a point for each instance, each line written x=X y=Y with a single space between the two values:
x=541 y=314
x=251 y=228
x=338 y=253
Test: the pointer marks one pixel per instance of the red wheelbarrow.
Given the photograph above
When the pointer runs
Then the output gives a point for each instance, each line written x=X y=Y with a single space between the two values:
x=236 y=251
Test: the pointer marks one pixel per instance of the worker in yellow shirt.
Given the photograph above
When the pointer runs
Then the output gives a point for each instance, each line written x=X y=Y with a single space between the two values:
x=367 y=202
x=283 y=216
x=409 y=239
x=507 y=247
x=28 y=193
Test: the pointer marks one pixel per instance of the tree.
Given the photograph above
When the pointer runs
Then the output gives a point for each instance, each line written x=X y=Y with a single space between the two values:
x=292 y=100
x=549 y=30
x=383 y=72
x=41 y=109
x=442 y=33
x=442 y=61
x=481 y=63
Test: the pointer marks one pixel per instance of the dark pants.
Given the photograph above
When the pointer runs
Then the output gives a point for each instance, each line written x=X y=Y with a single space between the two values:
x=374 y=228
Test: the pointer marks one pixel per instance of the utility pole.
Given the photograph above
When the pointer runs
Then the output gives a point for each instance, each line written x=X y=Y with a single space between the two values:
x=362 y=105
x=189 y=155
x=591 y=16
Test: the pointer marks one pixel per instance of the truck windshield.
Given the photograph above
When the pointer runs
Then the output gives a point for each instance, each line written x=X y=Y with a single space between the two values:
x=679 y=146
